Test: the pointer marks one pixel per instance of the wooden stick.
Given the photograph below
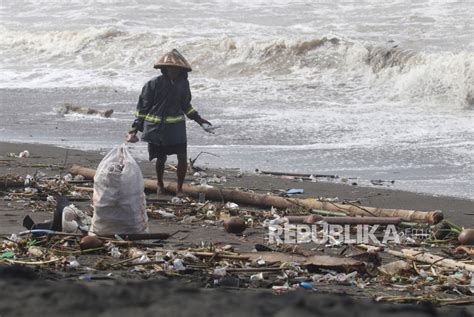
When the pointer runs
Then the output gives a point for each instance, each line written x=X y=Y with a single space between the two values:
x=255 y=269
x=32 y=263
x=124 y=261
x=296 y=174
x=345 y=220
x=262 y=200
x=219 y=255
x=84 y=189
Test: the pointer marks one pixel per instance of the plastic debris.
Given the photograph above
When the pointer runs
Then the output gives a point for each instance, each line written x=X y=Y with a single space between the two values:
x=85 y=277
x=306 y=285
x=231 y=205
x=219 y=271
x=394 y=268
x=165 y=214
x=115 y=253
x=73 y=263
x=74 y=220
x=7 y=255
x=177 y=200
x=25 y=154
x=28 y=180
x=35 y=251
x=178 y=265
x=257 y=277
x=295 y=191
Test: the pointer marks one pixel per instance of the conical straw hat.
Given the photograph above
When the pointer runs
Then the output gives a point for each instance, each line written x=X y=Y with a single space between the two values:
x=173 y=58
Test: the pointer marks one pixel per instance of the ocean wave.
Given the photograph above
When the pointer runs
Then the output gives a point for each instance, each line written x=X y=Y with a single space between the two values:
x=437 y=77
x=55 y=43
x=111 y=56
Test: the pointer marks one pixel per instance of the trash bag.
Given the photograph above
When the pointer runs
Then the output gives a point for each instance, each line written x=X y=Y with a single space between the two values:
x=119 y=198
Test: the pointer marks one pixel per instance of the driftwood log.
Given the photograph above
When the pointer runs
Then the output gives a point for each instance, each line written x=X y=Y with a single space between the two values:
x=263 y=200
x=68 y=108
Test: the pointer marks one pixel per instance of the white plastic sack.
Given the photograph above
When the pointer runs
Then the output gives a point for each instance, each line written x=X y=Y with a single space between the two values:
x=119 y=198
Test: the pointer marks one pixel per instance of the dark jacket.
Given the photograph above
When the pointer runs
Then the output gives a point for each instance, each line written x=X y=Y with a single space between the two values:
x=161 y=110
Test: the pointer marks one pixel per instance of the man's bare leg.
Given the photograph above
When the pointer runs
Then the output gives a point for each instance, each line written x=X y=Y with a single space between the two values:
x=181 y=172
x=160 y=170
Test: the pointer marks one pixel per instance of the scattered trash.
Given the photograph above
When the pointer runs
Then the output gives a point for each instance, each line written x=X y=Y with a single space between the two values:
x=417 y=268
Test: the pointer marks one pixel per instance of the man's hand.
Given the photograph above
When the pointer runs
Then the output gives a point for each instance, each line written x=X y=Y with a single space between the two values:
x=201 y=121
x=132 y=136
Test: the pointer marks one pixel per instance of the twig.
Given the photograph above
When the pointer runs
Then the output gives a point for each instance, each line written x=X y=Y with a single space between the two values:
x=144 y=263
x=255 y=269
x=31 y=263
x=125 y=261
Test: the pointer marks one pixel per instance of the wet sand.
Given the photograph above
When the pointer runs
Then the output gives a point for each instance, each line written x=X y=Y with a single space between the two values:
x=142 y=295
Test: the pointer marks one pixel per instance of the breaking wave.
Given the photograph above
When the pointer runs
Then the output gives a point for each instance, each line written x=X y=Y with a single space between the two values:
x=109 y=56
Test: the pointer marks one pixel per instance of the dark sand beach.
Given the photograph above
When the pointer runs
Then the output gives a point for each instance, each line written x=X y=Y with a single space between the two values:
x=27 y=291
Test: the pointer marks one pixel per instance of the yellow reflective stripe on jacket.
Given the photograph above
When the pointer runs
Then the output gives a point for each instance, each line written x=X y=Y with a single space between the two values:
x=167 y=119
x=158 y=119
x=140 y=115
x=174 y=119
x=190 y=110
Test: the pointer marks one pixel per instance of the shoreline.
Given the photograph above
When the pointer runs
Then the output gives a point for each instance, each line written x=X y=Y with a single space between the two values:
x=454 y=208
x=16 y=148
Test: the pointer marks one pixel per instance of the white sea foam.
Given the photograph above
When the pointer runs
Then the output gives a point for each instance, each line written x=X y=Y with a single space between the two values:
x=112 y=57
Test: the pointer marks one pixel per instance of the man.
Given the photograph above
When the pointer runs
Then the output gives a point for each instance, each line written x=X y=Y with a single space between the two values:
x=161 y=109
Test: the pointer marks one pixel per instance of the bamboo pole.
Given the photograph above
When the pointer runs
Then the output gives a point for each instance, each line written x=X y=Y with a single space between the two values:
x=84 y=189
x=425 y=257
x=263 y=200
x=345 y=220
